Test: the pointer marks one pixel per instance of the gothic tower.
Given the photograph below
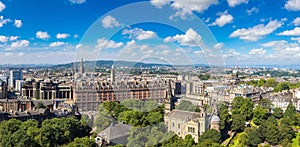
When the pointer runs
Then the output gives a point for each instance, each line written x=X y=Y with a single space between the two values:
x=169 y=99
x=81 y=67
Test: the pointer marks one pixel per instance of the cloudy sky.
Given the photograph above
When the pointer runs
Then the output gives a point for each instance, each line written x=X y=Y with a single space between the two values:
x=239 y=32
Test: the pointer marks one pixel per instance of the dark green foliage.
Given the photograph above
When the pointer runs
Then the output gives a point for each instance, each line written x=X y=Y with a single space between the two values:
x=52 y=132
x=204 y=76
x=133 y=112
x=210 y=135
x=238 y=122
x=149 y=136
x=82 y=142
x=225 y=117
x=253 y=137
x=265 y=104
x=281 y=86
x=188 y=140
x=259 y=113
x=278 y=113
x=291 y=115
x=242 y=106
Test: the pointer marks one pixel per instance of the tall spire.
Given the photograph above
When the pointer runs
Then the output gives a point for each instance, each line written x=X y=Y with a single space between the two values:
x=112 y=74
x=81 y=66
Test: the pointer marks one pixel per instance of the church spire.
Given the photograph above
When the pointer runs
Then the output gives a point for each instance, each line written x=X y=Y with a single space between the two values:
x=81 y=66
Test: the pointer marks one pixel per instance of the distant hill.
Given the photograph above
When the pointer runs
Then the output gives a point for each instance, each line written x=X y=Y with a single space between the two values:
x=108 y=64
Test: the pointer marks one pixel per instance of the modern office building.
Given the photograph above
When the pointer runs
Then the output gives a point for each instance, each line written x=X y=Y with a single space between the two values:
x=14 y=75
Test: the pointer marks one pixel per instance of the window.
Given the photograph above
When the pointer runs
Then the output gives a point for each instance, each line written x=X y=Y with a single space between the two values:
x=178 y=126
x=172 y=124
x=191 y=129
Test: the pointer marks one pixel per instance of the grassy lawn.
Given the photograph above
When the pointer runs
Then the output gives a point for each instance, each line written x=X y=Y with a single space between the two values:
x=295 y=141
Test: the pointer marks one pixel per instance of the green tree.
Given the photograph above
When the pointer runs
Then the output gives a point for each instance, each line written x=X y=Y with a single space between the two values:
x=154 y=117
x=133 y=117
x=189 y=141
x=238 y=122
x=210 y=135
x=278 y=113
x=103 y=119
x=82 y=142
x=281 y=86
x=265 y=103
x=291 y=114
x=243 y=106
x=261 y=82
x=204 y=77
x=225 y=117
x=290 y=110
x=253 y=137
x=259 y=113
x=271 y=82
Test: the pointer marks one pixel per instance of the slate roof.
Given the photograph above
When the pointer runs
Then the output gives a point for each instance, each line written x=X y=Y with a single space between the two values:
x=183 y=115
x=115 y=131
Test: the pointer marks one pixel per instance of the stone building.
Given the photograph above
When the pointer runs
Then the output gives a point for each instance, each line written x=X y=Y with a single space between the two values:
x=184 y=123
x=46 y=89
x=89 y=94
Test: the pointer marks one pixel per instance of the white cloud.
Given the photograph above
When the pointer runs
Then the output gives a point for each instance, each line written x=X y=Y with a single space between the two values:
x=18 y=23
x=78 y=46
x=3 y=21
x=6 y=38
x=42 y=35
x=233 y=3
x=231 y=53
x=13 y=38
x=62 y=36
x=139 y=34
x=224 y=19
x=3 y=39
x=296 y=21
x=296 y=39
x=190 y=38
x=110 y=22
x=257 y=32
x=20 y=44
x=76 y=36
x=252 y=10
x=219 y=45
x=292 y=5
x=57 y=44
x=281 y=43
x=294 y=32
x=104 y=43
x=2 y=6
x=77 y=1
x=258 y=52
x=184 y=7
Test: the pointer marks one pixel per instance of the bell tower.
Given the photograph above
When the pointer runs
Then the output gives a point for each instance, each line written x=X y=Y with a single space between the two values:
x=169 y=99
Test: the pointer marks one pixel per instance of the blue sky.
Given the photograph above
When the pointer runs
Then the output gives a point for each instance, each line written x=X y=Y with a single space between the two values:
x=239 y=32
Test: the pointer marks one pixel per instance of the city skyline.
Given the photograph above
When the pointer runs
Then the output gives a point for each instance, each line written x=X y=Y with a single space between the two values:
x=47 y=32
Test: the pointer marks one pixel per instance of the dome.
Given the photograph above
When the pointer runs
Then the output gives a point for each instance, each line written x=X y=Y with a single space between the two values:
x=215 y=118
